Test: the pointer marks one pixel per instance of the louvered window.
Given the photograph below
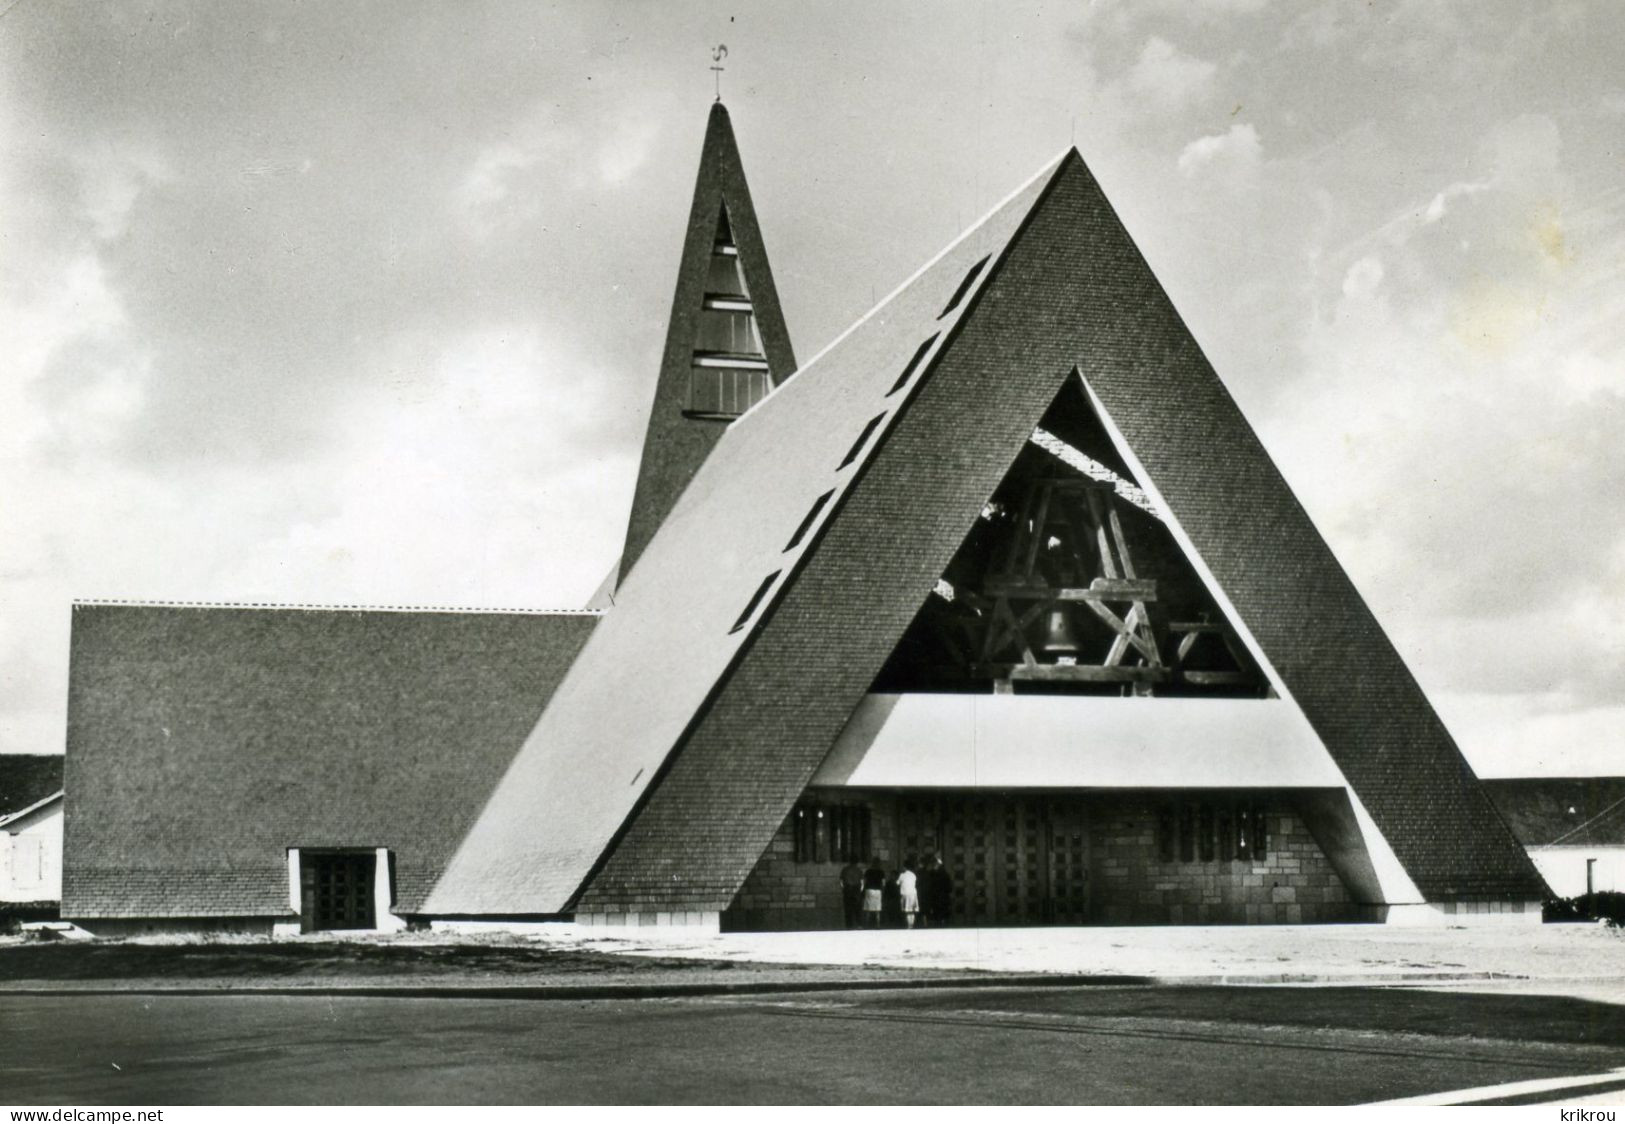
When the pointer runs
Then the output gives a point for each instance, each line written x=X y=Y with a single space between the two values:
x=1213 y=830
x=730 y=373
x=837 y=833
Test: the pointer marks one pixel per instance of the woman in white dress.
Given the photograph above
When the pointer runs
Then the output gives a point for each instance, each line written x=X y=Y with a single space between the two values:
x=908 y=892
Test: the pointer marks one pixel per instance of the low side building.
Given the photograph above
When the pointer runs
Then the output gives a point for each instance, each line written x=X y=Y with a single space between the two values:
x=30 y=837
x=238 y=769
x=1574 y=828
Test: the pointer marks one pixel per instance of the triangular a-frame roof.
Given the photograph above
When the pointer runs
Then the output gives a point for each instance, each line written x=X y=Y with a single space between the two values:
x=721 y=217
x=791 y=566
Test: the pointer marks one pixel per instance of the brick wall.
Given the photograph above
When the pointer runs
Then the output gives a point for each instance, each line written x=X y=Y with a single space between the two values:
x=1130 y=883
x=1133 y=886
x=780 y=893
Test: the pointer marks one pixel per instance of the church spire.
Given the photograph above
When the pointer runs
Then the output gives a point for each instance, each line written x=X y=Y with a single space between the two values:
x=726 y=343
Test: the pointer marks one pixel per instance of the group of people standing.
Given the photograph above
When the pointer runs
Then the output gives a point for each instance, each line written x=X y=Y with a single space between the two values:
x=874 y=898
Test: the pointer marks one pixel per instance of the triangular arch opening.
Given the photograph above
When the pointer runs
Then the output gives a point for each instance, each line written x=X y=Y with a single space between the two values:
x=1070 y=582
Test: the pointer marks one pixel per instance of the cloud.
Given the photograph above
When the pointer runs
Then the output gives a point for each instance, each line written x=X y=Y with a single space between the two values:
x=509 y=182
x=1524 y=736
x=1363 y=277
x=494 y=449
x=474 y=470
x=487 y=183
x=1234 y=154
x=1196 y=11
x=1455 y=430
x=1169 y=76
x=1227 y=7
x=625 y=150
x=1439 y=205
x=111 y=180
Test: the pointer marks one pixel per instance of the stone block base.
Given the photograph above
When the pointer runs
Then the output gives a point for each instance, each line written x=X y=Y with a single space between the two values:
x=672 y=923
x=1474 y=913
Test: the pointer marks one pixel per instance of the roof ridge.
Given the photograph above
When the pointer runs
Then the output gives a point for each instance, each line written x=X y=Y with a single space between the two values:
x=313 y=606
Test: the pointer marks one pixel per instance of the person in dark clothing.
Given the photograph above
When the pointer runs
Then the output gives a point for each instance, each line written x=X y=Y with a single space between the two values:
x=941 y=892
x=852 y=893
x=928 y=910
x=874 y=892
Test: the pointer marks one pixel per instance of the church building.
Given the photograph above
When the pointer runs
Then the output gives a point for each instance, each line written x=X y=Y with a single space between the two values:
x=1000 y=576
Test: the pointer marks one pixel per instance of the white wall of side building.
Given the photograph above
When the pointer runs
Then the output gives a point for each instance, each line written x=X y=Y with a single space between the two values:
x=1564 y=868
x=31 y=855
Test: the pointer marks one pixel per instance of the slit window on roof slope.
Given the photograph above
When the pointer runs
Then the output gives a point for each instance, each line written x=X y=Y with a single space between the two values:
x=964 y=287
x=913 y=365
x=863 y=439
x=808 y=520
x=755 y=600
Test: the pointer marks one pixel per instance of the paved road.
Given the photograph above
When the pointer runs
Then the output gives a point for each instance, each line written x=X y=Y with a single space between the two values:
x=1098 y=1045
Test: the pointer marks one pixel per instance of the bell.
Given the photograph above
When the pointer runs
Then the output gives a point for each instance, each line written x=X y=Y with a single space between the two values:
x=1059 y=639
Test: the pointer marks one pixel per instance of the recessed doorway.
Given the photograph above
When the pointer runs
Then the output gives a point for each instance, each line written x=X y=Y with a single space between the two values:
x=337 y=890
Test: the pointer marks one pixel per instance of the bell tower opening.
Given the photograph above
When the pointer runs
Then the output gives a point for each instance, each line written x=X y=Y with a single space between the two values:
x=730 y=372
x=1070 y=582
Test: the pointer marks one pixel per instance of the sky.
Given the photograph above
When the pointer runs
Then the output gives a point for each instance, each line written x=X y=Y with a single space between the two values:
x=363 y=303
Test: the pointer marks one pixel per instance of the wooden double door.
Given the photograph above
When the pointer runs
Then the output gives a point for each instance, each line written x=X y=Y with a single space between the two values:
x=1015 y=859
x=337 y=890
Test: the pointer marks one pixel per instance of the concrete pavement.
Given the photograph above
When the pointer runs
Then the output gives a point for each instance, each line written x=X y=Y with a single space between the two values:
x=564 y=962
x=1352 y=954
x=1113 y=1045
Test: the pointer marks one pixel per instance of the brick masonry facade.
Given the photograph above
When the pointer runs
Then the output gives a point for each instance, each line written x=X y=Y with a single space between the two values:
x=781 y=893
x=1130 y=882
x=1294 y=884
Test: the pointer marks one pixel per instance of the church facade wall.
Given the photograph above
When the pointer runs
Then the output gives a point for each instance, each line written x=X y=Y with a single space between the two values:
x=781 y=893
x=1292 y=884
x=1013 y=863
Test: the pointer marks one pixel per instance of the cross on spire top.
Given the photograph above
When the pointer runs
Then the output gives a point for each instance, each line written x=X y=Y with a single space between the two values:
x=718 y=53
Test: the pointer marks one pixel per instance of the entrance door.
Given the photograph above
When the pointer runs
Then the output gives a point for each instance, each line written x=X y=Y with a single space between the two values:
x=1068 y=873
x=1015 y=860
x=337 y=890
